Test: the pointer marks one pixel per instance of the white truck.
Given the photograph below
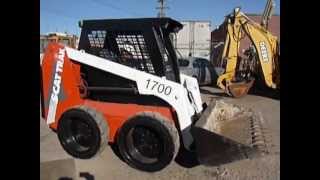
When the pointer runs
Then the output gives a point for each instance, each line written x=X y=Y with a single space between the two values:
x=193 y=39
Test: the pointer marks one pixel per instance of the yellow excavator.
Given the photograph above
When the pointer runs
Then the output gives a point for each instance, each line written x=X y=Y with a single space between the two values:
x=262 y=58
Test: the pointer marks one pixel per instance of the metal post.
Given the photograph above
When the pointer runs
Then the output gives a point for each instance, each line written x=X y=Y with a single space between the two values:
x=161 y=8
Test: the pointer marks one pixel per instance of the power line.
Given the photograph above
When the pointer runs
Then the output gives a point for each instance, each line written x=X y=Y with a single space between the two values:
x=104 y=3
x=112 y=6
x=54 y=12
x=64 y=22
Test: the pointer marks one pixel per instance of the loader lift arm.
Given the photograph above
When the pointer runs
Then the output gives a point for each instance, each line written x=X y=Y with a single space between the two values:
x=267 y=53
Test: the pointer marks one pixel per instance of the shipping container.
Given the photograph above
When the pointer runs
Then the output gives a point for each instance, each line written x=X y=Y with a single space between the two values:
x=193 y=39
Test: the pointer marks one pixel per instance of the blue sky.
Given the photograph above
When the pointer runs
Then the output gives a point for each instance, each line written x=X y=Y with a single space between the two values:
x=63 y=15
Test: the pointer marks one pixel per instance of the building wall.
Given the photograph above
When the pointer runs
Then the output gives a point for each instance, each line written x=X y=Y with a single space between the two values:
x=274 y=23
x=273 y=27
x=64 y=39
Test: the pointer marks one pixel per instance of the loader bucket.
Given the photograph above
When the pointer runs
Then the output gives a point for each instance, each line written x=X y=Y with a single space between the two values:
x=226 y=133
x=239 y=89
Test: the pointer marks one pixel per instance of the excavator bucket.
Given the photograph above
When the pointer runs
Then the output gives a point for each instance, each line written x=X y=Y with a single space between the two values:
x=227 y=133
x=239 y=89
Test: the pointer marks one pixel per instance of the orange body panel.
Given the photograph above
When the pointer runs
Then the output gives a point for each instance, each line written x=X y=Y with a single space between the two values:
x=69 y=86
x=116 y=114
x=69 y=96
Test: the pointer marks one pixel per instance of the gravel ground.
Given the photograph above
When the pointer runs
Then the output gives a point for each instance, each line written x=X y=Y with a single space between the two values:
x=109 y=166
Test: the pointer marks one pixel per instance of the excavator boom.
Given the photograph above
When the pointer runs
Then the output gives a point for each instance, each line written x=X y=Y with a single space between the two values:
x=267 y=13
x=266 y=53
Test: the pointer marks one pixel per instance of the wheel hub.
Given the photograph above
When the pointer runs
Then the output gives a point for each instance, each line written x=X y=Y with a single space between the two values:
x=82 y=133
x=146 y=142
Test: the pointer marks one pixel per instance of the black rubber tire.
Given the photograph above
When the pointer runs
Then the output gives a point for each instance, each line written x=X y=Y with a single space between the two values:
x=94 y=121
x=165 y=130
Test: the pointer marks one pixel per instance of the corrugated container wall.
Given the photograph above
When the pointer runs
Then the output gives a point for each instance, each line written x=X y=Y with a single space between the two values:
x=193 y=39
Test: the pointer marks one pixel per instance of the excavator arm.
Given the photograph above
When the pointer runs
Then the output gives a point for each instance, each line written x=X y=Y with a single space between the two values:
x=267 y=52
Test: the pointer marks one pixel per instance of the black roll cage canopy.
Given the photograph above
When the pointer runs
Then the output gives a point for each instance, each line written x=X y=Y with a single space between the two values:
x=155 y=48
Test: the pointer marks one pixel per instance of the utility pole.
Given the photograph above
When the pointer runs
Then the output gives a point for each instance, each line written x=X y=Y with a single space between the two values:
x=161 y=8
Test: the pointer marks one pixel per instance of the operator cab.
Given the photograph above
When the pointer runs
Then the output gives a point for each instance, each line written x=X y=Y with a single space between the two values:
x=143 y=44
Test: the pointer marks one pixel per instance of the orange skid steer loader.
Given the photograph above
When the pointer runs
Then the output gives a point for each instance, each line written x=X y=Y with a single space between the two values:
x=123 y=86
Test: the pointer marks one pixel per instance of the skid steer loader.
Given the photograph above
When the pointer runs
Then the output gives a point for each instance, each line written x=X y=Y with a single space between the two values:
x=123 y=86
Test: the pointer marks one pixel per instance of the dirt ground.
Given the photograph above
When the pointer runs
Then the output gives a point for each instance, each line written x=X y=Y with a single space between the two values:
x=109 y=166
